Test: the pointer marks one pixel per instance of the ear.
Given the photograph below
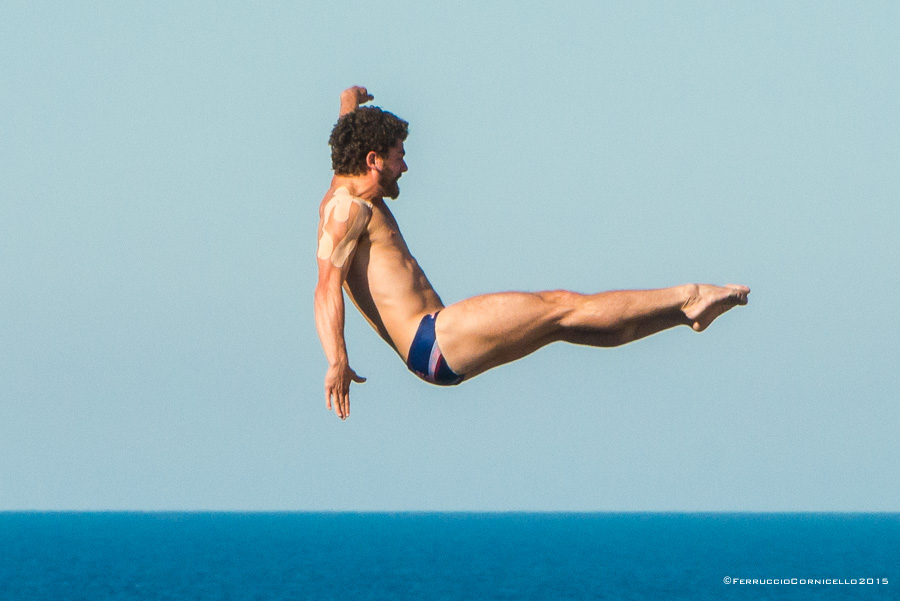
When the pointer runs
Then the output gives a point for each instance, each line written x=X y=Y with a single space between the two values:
x=373 y=161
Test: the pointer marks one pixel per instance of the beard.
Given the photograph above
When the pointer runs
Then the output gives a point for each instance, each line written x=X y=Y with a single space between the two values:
x=388 y=184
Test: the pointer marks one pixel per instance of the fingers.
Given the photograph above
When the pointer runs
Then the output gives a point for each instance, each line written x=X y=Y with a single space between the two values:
x=345 y=405
x=341 y=402
x=363 y=95
x=360 y=93
x=352 y=97
x=337 y=389
x=330 y=393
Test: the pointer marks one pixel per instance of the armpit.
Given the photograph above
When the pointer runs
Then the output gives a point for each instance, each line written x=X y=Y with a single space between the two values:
x=342 y=226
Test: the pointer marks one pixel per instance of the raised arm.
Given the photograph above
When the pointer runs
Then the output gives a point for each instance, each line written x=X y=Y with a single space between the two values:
x=342 y=223
x=351 y=98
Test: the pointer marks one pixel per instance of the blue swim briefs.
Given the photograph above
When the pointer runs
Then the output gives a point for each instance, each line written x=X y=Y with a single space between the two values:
x=425 y=358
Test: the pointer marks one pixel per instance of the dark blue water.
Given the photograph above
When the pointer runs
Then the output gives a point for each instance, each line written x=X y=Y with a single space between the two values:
x=345 y=556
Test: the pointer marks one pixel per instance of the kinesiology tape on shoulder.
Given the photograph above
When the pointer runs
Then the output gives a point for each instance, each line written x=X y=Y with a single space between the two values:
x=338 y=211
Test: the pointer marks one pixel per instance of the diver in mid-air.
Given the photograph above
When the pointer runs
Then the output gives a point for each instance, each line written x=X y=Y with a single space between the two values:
x=361 y=249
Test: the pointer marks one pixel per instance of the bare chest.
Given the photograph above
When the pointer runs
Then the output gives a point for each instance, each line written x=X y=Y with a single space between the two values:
x=384 y=230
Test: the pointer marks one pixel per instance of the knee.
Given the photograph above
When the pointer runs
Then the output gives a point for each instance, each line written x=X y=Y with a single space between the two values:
x=561 y=298
x=560 y=303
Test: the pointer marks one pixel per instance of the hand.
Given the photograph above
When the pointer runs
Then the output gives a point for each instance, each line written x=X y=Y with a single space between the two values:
x=337 y=386
x=351 y=98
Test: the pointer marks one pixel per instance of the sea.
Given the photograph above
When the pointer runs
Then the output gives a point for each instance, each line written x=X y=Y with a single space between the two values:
x=448 y=556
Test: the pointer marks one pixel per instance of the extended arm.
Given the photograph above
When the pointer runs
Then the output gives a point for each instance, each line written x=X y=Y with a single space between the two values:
x=343 y=222
x=351 y=98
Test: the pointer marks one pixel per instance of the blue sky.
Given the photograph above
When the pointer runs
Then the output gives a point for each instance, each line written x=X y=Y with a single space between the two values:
x=160 y=171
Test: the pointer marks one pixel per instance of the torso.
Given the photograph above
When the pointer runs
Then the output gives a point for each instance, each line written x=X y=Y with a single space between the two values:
x=385 y=282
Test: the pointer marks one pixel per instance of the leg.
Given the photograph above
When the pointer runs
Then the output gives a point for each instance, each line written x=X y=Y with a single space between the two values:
x=486 y=331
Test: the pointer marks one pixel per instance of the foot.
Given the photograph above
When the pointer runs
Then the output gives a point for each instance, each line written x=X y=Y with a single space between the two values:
x=708 y=302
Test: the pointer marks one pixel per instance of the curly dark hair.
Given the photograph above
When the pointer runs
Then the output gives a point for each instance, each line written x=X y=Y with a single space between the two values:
x=356 y=134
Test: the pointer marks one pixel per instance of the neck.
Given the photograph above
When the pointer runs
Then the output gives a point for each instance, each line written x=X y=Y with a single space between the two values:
x=361 y=186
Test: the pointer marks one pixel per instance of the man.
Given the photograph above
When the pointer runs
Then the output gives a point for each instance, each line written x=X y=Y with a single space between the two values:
x=361 y=250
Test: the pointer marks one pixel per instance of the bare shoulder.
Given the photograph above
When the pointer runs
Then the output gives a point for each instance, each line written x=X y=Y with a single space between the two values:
x=339 y=201
x=343 y=192
x=343 y=221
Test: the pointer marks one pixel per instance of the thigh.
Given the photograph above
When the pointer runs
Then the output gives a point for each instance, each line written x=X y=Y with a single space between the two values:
x=482 y=332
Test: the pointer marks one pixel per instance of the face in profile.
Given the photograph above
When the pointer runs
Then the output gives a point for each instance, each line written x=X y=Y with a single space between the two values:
x=393 y=167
